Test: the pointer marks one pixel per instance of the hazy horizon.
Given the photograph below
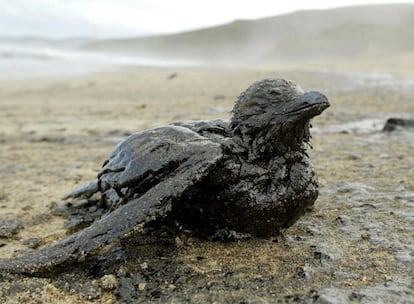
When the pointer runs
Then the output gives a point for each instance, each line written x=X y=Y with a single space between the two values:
x=376 y=36
x=92 y=19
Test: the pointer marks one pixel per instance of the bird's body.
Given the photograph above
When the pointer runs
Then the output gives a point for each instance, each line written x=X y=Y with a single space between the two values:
x=250 y=174
x=247 y=194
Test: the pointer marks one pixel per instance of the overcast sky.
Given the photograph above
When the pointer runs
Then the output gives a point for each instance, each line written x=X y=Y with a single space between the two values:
x=109 y=18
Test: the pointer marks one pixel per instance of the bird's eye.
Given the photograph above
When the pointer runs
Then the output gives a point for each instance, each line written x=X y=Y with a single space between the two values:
x=275 y=92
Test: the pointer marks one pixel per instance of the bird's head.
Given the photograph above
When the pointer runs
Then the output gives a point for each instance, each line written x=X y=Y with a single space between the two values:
x=273 y=115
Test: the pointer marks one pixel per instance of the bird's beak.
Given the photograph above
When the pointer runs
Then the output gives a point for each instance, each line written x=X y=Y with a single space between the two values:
x=308 y=105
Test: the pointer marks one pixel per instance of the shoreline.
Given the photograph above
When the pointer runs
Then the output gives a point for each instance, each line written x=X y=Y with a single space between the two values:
x=53 y=139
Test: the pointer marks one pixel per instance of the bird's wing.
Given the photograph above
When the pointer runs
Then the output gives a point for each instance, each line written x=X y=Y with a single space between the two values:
x=84 y=191
x=216 y=130
x=177 y=158
x=145 y=157
x=207 y=127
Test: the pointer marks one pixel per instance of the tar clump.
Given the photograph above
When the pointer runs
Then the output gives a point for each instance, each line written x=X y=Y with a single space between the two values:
x=250 y=174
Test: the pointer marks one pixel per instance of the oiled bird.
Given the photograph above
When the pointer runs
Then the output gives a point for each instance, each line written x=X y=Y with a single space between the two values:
x=250 y=174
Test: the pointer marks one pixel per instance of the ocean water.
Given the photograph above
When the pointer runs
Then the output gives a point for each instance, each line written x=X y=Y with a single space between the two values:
x=28 y=61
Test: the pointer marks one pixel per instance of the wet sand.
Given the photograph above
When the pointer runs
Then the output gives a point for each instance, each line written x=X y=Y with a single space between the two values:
x=356 y=244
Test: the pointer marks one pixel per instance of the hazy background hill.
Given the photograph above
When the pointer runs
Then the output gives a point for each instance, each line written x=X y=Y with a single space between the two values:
x=344 y=33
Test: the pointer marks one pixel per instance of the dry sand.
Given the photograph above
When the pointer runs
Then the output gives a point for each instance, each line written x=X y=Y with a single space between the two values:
x=356 y=244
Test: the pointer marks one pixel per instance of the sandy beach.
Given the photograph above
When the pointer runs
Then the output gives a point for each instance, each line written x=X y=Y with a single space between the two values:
x=357 y=243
